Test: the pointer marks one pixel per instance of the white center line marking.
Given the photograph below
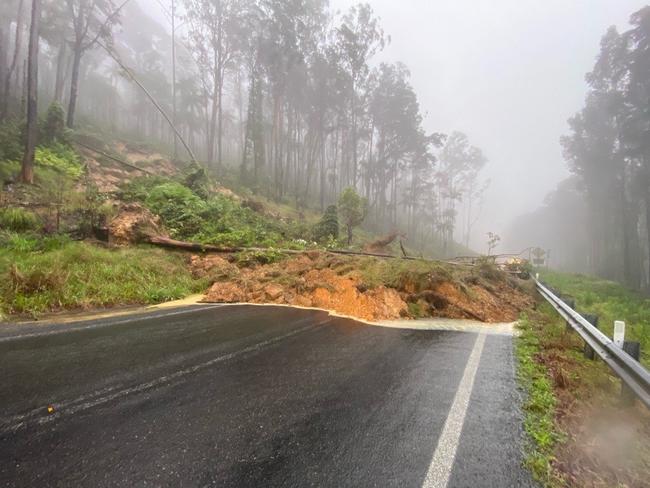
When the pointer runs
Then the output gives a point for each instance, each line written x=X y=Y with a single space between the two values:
x=100 y=397
x=445 y=453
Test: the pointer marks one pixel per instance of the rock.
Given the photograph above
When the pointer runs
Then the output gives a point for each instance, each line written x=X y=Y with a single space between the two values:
x=131 y=223
x=302 y=301
x=225 y=292
x=273 y=291
x=213 y=265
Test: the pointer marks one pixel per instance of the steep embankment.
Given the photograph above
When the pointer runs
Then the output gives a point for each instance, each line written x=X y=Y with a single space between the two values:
x=131 y=194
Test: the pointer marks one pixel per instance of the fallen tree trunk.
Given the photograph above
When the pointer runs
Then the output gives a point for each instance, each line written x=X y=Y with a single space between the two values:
x=113 y=158
x=208 y=248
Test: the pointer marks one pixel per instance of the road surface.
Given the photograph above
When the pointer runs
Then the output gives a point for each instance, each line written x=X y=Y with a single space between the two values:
x=247 y=396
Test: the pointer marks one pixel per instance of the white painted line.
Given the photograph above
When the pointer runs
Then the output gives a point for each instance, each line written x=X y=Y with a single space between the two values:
x=101 y=322
x=445 y=453
x=106 y=395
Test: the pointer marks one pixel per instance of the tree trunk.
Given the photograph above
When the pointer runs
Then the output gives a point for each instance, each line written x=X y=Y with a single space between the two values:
x=27 y=174
x=220 y=123
x=17 y=47
x=60 y=72
x=349 y=227
x=4 y=55
x=213 y=120
x=74 y=84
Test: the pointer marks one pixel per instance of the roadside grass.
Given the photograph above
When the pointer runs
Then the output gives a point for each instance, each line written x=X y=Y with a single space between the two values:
x=35 y=279
x=610 y=301
x=569 y=402
x=539 y=405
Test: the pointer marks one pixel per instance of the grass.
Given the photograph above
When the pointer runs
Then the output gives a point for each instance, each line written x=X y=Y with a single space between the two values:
x=539 y=406
x=77 y=275
x=563 y=390
x=18 y=219
x=394 y=272
x=610 y=301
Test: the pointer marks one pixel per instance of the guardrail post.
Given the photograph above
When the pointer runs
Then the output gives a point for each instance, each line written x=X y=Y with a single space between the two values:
x=593 y=320
x=633 y=349
x=571 y=302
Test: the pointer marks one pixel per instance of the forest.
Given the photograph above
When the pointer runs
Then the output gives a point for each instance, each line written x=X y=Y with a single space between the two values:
x=597 y=221
x=284 y=98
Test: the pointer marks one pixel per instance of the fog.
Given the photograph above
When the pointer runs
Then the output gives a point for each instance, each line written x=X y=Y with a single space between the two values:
x=509 y=73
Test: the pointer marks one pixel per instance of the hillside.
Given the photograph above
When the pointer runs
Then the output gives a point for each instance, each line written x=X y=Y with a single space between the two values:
x=114 y=197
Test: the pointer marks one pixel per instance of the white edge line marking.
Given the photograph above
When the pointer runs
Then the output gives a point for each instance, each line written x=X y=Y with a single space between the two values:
x=108 y=322
x=92 y=400
x=443 y=458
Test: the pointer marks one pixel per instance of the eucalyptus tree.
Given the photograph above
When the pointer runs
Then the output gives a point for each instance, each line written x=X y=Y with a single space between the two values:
x=358 y=39
x=56 y=30
x=27 y=173
x=459 y=165
x=637 y=99
x=15 y=56
x=216 y=30
x=401 y=163
x=92 y=21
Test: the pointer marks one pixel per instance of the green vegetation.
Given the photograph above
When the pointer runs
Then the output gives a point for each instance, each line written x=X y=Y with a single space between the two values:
x=59 y=157
x=41 y=275
x=53 y=129
x=328 y=226
x=54 y=152
x=353 y=209
x=566 y=396
x=397 y=273
x=18 y=220
x=539 y=406
x=610 y=301
x=217 y=219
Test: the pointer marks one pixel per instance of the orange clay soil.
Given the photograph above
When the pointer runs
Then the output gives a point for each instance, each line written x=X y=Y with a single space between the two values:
x=335 y=283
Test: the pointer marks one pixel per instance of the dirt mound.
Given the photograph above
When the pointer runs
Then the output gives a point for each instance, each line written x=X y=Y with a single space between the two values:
x=339 y=284
x=131 y=223
x=300 y=282
x=493 y=304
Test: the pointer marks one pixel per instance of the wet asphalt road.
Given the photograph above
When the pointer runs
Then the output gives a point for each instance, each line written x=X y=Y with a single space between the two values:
x=239 y=396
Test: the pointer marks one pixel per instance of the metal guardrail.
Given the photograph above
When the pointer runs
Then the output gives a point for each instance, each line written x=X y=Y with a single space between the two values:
x=631 y=372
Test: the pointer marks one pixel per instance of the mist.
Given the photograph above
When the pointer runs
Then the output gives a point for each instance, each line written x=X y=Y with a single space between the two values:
x=508 y=73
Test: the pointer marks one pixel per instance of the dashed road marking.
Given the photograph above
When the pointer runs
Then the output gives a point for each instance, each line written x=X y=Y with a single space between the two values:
x=108 y=322
x=445 y=453
x=100 y=397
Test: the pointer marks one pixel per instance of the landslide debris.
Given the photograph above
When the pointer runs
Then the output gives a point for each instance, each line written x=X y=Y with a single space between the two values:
x=365 y=288
x=108 y=175
x=132 y=222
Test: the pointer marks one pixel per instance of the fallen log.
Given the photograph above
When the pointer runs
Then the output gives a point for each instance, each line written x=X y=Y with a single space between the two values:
x=113 y=158
x=208 y=248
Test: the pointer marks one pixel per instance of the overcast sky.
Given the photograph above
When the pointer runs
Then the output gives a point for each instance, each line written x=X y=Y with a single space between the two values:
x=509 y=73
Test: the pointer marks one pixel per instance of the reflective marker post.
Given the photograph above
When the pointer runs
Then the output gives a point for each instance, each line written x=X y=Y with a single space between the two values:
x=619 y=333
